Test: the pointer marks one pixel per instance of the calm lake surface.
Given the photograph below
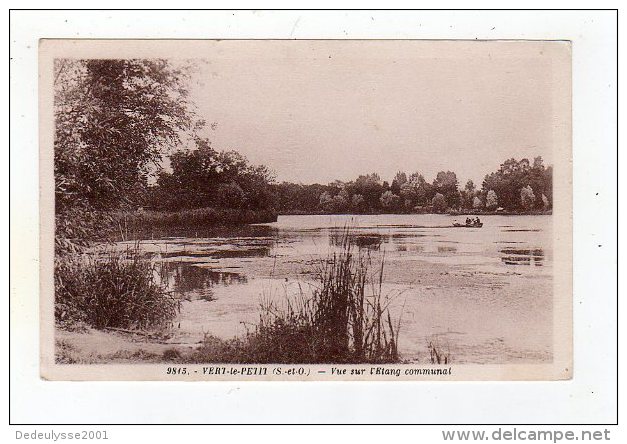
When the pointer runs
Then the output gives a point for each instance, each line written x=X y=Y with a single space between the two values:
x=482 y=294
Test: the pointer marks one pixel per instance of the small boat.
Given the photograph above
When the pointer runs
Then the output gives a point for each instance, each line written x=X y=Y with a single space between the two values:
x=473 y=225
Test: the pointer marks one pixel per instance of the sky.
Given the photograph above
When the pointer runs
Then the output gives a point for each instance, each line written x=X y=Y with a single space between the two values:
x=317 y=111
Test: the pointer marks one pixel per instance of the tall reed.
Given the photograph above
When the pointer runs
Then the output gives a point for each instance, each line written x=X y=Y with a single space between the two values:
x=345 y=318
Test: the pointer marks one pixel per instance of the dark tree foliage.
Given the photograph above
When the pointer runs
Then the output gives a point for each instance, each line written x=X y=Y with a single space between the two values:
x=439 y=203
x=468 y=195
x=446 y=184
x=204 y=177
x=417 y=191
x=412 y=193
x=113 y=121
x=294 y=198
x=370 y=187
x=399 y=180
x=515 y=175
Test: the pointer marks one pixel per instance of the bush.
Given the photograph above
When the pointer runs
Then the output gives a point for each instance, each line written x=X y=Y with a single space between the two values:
x=114 y=291
x=527 y=198
x=439 y=203
x=128 y=223
x=491 y=200
x=390 y=201
x=477 y=203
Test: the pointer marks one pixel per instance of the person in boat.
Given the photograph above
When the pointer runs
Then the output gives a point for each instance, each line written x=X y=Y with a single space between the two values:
x=468 y=221
x=477 y=221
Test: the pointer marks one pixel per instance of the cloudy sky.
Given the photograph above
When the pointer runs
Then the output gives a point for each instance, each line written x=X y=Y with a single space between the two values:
x=315 y=111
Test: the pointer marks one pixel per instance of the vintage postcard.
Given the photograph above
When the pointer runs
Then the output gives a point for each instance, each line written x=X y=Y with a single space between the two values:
x=305 y=210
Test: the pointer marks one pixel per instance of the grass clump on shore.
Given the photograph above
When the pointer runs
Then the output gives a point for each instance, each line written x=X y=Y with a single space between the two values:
x=345 y=319
x=114 y=291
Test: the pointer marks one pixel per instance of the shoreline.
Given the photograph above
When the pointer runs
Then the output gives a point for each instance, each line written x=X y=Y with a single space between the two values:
x=451 y=213
x=443 y=303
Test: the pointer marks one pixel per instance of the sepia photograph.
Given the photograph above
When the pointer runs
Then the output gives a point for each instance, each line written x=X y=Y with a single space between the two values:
x=305 y=209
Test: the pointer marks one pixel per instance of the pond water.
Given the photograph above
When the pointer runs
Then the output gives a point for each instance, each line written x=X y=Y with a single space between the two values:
x=483 y=295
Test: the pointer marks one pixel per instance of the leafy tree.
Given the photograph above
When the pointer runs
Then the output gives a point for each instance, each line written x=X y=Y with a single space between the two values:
x=417 y=190
x=341 y=201
x=514 y=175
x=390 y=201
x=325 y=198
x=527 y=197
x=399 y=180
x=370 y=187
x=439 y=203
x=409 y=192
x=230 y=195
x=255 y=180
x=477 y=203
x=491 y=200
x=468 y=194
x=291 y=197
x=113 y=119
x=506 y=184
x=358 y=202
x=204 y=177
x=446 y=184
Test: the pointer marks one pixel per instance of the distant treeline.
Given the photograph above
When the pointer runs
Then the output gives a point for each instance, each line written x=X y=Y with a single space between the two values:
x=518 y=186
x=204 y=177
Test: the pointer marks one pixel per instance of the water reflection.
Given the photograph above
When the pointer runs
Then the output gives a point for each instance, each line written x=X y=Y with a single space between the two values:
x=234 y=252
x=191 y=282
x=370 y=240
x=245 y=231
x=433 y=265
x=193 y=259
x=243 y=253
x=520 y=256
x=375 y=240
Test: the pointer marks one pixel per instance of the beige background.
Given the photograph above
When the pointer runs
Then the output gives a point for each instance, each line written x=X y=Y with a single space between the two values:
x=590 y=397
x=550 y=127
